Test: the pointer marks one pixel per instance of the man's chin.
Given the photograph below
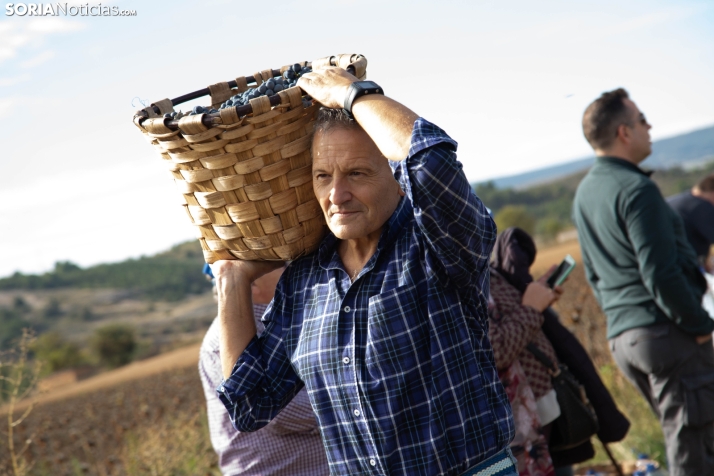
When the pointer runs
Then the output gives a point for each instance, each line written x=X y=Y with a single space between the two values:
x=344 y=233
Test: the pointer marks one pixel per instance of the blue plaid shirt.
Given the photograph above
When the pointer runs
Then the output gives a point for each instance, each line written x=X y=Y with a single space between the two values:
x=397 y=364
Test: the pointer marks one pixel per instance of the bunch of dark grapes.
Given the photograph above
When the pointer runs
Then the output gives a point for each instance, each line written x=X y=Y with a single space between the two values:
x=270 y=87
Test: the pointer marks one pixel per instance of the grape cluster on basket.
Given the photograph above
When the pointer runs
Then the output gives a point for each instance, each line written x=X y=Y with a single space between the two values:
x=270 y=87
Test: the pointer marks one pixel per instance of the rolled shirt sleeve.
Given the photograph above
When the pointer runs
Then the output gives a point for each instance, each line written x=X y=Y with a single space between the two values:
x=454 y=221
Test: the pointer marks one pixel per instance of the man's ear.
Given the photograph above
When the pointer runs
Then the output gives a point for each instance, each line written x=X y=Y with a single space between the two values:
x=623 y=133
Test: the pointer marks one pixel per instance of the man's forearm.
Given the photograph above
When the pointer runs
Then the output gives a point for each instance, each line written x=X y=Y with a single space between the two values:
x=235 y=313
x=388 y=123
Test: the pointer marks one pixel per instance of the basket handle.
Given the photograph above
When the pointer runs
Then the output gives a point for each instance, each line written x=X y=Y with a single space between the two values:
x=355 y=64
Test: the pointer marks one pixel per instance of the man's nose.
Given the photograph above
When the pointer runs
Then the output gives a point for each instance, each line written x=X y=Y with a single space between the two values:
x=340 y=192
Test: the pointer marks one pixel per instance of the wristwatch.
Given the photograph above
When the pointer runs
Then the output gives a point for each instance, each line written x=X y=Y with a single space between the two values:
x=359 y=89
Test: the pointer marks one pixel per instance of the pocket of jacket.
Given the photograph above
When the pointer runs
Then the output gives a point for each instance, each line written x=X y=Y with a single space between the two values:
x=698 y=399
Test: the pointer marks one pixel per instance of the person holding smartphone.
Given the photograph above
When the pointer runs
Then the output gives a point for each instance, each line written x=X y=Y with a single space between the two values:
x=519 y=314
x=516 y=305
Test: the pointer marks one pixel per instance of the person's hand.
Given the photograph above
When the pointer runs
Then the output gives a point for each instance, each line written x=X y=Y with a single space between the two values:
x=702 y=339
x=237 y=270
x=558 y=290
x=327 y=86
x=539 y=296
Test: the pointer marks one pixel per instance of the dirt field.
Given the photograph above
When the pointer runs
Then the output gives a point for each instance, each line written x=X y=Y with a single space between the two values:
x=554 y=254
x=87 y=427
x=186 y=357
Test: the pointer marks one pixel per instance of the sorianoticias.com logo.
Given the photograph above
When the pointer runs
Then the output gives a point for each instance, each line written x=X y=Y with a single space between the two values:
x=65 y=9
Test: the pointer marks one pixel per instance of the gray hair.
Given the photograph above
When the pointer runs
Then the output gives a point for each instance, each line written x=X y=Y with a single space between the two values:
x=328 y=119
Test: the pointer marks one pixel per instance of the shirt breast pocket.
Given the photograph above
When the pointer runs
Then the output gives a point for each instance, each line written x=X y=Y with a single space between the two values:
x=398 y=336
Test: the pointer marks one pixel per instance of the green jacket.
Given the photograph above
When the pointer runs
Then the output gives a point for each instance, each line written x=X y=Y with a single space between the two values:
x=635 y=251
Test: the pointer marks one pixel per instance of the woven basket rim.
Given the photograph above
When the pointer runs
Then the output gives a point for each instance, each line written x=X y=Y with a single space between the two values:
x=355 y=63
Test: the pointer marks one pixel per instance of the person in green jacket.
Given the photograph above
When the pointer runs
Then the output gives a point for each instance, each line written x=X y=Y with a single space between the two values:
x=645 y=277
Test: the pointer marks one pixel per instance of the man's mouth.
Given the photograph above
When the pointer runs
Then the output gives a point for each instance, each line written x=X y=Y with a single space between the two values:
x=342 y=213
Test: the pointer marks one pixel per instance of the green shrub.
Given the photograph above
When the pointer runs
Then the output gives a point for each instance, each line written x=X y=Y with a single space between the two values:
x=114 y=345
x=52 y=309
x=548 y=228
x=11 y=324
x=515 y=215
x=57 y=354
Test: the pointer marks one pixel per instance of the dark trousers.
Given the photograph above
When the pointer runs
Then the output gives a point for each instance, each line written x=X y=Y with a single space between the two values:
x=676 y=376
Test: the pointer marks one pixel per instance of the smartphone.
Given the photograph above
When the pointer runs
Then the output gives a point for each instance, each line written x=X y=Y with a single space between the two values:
x=562 y=272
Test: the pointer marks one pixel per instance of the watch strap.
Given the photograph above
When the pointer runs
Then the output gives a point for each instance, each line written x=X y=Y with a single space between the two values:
x=357 y=90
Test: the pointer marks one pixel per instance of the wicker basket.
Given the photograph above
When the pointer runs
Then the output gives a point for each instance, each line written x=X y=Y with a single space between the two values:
x=245 y=173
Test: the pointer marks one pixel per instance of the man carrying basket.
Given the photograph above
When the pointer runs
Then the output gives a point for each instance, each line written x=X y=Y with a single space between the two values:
x=386 y=323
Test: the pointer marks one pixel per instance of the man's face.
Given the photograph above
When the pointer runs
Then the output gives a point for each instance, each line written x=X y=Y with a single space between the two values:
x=640 y=144
x=353 y=183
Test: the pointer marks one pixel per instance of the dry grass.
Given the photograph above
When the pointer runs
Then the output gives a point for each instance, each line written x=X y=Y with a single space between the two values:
x=178 y=446
x=111 y=430
x=645 y=435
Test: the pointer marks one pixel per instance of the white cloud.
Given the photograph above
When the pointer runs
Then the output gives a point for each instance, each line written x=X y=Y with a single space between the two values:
x=13 y=80
x=37 y=60
x=16 y=34
x=46 y=25
x=6 y=106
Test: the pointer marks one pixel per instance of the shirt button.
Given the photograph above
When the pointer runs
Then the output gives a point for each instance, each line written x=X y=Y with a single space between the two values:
x=373 y=462
x=346 y=360
x=356 y=412
x=347 y=309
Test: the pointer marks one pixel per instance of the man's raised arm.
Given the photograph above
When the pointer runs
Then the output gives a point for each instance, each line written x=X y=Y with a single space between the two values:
x=235 y=305
x=386 y=121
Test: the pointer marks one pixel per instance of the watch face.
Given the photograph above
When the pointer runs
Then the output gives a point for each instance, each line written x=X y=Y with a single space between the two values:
x=370 y=85
x=360 y=88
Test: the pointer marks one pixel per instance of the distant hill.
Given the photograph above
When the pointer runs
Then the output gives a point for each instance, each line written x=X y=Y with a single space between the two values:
x=549 y=204
x=679 y=151
x=170 y=275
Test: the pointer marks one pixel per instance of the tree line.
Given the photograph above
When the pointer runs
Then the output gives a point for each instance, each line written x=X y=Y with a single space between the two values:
x=168 y=276
x=545 y=210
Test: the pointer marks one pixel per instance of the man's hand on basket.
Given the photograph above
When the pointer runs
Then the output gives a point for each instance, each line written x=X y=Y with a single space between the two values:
x=327 y=86
x=240 y=270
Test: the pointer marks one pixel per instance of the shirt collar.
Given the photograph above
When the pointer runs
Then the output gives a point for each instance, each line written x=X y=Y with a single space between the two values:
x=328 y=258
x=626 y=164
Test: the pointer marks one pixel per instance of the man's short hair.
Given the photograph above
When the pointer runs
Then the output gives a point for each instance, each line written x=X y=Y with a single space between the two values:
x=603 y=116
x=328 y=119
x=706 y=184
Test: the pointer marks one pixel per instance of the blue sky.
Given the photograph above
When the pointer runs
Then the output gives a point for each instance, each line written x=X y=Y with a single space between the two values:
x=508 y=80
